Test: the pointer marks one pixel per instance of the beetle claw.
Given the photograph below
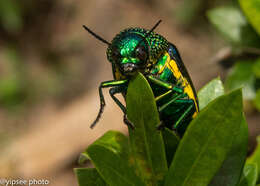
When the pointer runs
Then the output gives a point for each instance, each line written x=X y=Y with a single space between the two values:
x=160 y=126
x=128 y=122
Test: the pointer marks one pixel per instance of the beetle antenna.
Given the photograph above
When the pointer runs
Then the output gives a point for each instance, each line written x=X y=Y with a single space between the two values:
x=96 y=36
x=148 y=33
x=152 y=29
x=155 y=26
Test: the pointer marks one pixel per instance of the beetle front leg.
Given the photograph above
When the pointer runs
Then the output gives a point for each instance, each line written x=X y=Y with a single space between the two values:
x=105 y=84
x=116 y=90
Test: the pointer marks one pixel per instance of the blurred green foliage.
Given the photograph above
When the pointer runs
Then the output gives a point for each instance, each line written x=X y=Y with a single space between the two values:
x=192 y=13
x=251 y=9
x=239 y=24
x=12 y=87
x=189 y=11
x=257 y=100
x=11 y=15
x=242 y=75
x=232 y=24
x=34 y=68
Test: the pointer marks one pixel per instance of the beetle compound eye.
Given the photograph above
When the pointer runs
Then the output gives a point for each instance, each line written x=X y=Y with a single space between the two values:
x=141 y=53
x=116 y=54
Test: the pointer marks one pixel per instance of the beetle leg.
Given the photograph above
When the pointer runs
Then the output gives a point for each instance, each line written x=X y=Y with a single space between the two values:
x=165 y=84
x=105 y=84
x=186 y=111
x=177 y=95
x=128 y=122
x=183 y=116
x=112 y=92
x=171 y=90
x=161 y=125
x=161 y=108
x=163 y=95
x=116 y=90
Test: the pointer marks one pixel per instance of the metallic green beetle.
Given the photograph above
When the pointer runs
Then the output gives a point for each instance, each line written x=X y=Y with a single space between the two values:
x=138 y=50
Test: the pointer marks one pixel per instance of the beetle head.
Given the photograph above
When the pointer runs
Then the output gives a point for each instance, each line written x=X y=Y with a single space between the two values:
x=129 y=52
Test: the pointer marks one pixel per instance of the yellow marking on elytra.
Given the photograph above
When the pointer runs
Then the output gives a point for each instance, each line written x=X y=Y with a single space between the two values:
x=162 y=68
x=172 y=65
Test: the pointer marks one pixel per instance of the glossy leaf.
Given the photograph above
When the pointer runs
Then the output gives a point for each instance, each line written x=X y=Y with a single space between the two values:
x=251 y=9
x=146 y=141
x=110 y=155
x=206 y=142
x=231 y=169
x=210 y=91
x=255 y=157
x=89 y=177
x=171 y=142
x=249 y=176
x=242 y=76
x=232 y=24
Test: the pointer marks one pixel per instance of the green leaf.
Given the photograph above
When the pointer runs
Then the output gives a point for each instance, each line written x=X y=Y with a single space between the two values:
x=256 y=68
x=110 y=155
x=251 y=9
x=231 y=169
x=257 y=100
x=232 y=24
x=255 y=157
x=83 y=158
x=171 y=142
x=249 y=176
x=206 y=142
x=146 y=141
x=89 y=177
x=242 y=76
x=210 y=91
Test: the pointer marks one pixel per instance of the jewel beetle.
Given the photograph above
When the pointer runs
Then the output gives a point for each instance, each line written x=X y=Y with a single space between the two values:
x=139 y=50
